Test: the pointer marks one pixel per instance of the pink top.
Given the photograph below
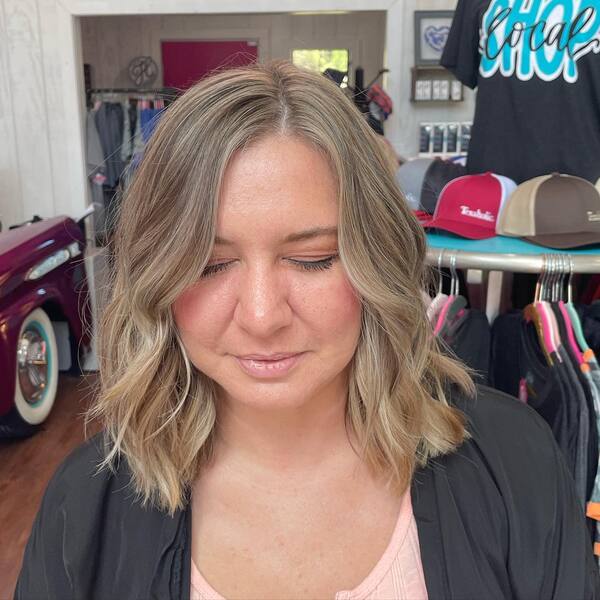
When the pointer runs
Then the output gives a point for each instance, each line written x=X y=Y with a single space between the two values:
x=397 y=575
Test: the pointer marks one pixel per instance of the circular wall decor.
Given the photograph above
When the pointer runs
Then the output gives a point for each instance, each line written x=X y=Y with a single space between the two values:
x=142 y=71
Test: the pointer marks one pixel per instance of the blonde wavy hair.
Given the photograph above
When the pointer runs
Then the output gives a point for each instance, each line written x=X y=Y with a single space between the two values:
x=158 y=411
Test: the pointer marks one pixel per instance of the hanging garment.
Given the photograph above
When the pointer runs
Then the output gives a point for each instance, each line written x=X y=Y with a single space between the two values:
x=138 y=140
x=520 y=367
x=381 y=99
x=590 y=320
x=126 y=145
x=469 y=338
x=593 y=507
x=583 y=432
x=96 y=172
x=536 y=68
x=109 y=121
x=133 y=113
x=587 y=429
x=435 y=306
x=505 y=358
x=149 y=118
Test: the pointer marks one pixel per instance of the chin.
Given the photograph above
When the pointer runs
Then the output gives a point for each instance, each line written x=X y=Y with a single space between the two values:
x=268 y=396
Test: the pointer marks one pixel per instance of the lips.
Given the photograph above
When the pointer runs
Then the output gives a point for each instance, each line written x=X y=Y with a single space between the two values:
x=278 y=356
x=269 y=366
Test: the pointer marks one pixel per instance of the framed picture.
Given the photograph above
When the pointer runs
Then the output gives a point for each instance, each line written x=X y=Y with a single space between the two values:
x=431 y=33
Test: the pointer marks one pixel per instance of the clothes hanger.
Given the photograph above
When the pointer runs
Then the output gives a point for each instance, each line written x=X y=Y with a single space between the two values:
x=551 y=331
x=438 y=302
x=439 y=321
x=567 y=318
x=544 y=309
x=533 y=315
x=575 y=320
x=454 y=304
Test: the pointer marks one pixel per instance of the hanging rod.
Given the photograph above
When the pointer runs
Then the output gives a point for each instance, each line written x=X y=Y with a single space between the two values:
x=516 y=263
x=162 y=91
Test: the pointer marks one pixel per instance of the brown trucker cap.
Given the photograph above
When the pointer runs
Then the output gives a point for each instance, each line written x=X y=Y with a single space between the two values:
x=556 y=211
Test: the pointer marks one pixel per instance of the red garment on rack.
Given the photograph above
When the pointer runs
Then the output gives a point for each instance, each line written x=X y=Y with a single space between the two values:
x=377 y=95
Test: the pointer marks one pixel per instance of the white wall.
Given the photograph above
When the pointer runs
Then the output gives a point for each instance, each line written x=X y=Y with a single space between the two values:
x=402 y=128
x=11 y=195
x=42 y=108
x=41 y=149
x=109 y=43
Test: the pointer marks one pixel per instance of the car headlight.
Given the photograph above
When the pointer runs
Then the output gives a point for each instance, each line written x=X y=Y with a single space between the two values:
x=49 y=263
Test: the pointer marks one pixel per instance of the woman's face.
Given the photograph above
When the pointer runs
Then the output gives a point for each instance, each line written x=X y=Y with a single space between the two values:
x=274 y=320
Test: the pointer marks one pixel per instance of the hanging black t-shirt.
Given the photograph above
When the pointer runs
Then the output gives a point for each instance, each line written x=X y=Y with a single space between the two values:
x=517 y=359
x=536 y=67
x=469 y=337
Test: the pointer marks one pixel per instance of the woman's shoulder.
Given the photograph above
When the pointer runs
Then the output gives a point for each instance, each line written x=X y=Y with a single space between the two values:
x=510 y=452
x=78 y=474
x=92 y=516
x=496 y=420
x=510 y=461
x=489 y=404
x=503 y=494
x=83 y=492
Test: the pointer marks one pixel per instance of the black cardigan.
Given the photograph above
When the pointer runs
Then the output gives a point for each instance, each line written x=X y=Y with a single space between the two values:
x=496 y=519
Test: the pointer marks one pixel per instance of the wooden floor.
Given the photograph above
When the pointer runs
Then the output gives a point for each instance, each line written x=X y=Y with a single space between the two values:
x=26 y=466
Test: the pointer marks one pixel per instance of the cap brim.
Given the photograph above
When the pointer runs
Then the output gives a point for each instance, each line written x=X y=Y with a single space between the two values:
x=466 y=230
x=422 y=216
x=562 y=241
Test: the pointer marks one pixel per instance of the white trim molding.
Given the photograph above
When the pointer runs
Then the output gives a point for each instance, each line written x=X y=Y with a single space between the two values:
x=160 y=7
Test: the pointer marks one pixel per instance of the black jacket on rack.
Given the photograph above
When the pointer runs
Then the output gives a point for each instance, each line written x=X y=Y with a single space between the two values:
x=498 y=518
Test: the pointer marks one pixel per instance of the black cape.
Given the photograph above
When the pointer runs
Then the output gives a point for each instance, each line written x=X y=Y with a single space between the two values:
x=498 y=518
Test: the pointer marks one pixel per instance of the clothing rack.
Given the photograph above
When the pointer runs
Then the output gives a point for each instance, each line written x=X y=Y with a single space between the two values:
x=167 y=95
x=127 y=91
x=490 y=264
x=514 y=263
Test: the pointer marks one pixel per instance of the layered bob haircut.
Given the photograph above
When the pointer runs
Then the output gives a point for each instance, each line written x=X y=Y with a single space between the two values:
x=158 y=410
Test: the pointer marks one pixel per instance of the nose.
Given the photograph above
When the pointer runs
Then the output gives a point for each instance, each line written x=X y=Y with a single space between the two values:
x=262 y=308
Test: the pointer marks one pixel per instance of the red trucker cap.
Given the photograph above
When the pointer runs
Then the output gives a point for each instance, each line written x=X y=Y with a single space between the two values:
x=469 y=205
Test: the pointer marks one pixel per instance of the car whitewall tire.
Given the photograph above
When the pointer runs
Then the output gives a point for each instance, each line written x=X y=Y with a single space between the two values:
x=36 y=368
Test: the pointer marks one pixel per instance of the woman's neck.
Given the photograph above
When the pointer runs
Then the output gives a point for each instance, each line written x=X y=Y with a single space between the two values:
x=299 y=443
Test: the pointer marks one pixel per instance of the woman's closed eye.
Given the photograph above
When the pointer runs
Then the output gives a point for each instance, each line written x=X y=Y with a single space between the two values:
x=306 y=265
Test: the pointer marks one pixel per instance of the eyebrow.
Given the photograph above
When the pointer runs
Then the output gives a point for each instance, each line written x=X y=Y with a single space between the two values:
x=300 y=236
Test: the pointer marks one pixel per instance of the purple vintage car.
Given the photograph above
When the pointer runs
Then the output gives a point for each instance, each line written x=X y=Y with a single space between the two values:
x=44 y=317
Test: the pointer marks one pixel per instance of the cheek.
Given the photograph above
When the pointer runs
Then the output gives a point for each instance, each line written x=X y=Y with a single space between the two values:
x=332 y=307
x=198 y=316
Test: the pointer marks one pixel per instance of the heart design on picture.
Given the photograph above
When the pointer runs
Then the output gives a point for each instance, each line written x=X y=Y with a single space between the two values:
x=436 y=37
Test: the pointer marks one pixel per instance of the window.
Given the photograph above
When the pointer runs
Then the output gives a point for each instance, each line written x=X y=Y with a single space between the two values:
x=319 y=60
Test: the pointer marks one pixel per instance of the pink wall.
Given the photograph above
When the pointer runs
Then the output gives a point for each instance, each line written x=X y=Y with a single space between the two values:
x=184 y=63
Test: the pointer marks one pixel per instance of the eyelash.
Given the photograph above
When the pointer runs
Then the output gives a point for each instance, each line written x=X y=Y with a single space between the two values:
x=310 y=265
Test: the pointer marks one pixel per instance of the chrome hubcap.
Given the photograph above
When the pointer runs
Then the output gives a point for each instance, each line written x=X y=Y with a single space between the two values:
x=32 y=363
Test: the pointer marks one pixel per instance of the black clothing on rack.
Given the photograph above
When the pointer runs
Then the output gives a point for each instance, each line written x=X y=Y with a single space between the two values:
x=592 y=446
x=519 y=368
x=109 y=122
x=590 y=320
x=469 y=338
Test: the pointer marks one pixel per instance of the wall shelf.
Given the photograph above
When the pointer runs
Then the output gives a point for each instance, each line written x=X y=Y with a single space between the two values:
x=433 y=81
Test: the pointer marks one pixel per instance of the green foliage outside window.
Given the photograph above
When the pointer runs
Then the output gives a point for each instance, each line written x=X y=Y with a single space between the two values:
x=319 y=60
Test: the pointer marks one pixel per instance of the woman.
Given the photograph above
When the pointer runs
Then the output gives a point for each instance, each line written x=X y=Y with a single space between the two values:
x=279 y=421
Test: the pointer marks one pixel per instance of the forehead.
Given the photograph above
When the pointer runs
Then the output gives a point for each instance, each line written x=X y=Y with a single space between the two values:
x=276 y=186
